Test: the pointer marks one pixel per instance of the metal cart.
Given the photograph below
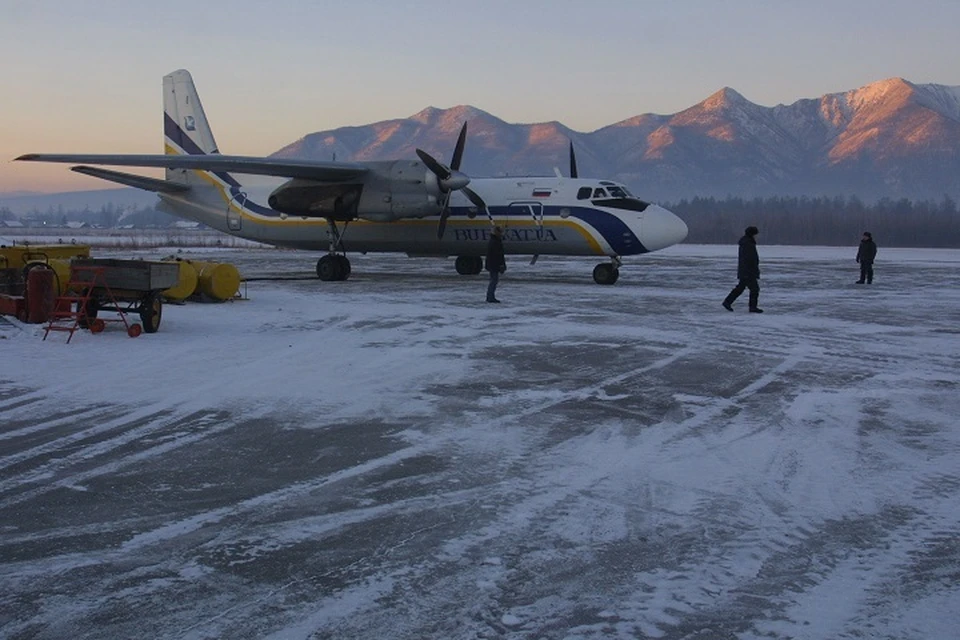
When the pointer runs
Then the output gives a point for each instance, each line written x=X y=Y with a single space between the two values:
x=121 y=286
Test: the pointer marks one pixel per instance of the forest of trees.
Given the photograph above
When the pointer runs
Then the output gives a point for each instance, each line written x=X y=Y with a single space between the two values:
x=822 y=221
x=106 y=217
x=782 y=220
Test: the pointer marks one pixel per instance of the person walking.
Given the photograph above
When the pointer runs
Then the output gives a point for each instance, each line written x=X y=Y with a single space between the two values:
x=496 y=262
x=748 y=271
x=866 y=254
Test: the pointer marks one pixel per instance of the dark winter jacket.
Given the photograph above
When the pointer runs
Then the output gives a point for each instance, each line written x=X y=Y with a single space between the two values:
x=748 y=262
x=867 y=252
x=495 y=259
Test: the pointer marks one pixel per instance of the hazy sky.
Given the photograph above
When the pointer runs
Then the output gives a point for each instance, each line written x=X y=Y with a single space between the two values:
x=85 y=75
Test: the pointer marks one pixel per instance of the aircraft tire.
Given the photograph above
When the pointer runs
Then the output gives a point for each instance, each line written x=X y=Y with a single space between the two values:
x=605 y=273
x=344 y=264
x=328 y=268
x=468 y=265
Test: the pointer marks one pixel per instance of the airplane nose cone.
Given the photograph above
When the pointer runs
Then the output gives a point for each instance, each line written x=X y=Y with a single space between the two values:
x=662 y=228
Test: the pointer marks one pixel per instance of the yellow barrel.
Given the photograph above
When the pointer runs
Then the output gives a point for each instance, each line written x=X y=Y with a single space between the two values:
x=217 y=280
x=61 y=267
x=186 y=282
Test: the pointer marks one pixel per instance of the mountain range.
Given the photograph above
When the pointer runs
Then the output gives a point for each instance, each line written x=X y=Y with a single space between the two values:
x=891 y=138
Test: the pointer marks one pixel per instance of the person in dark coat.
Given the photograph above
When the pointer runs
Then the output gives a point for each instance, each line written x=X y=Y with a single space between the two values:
x=496 y=262
x=748 y=271
x=866 y=254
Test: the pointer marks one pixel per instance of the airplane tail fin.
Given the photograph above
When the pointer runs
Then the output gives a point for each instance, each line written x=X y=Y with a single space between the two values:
x=185 y=127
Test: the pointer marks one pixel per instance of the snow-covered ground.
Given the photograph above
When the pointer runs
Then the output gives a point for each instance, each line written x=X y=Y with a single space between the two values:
x=390 y=457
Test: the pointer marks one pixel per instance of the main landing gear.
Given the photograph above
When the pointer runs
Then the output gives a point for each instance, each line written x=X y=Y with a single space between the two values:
x=607 y=272
x=334 y=266
x=469 y=265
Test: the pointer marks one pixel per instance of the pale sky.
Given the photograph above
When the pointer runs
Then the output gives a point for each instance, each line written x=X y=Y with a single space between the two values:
x=85 y=75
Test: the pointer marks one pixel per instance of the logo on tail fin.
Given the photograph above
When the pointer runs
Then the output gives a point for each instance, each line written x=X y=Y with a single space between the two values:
x=189 y=123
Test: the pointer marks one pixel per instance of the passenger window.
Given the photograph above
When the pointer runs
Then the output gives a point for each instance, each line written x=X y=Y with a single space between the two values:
x=584 y=193
x=599 y=193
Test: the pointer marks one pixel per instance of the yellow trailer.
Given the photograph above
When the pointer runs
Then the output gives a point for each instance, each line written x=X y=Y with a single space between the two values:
x=22 y=255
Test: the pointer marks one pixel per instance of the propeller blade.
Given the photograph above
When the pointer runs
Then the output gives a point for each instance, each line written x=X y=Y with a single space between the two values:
x=443 y=223
x=474 y=198
x=438 y=169
x=444 y=214
x=479 y=203
x=458 y=150
x=573 y=162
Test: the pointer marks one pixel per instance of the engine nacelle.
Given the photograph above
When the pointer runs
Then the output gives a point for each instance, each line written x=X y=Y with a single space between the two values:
x=388 y=191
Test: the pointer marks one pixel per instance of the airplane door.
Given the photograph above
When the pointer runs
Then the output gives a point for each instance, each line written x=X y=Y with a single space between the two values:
x=529 y=211
x=238 y=199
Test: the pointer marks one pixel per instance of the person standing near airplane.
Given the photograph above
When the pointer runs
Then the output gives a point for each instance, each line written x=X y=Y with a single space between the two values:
x=748 y=271
x=866 y=254
x=496 y=262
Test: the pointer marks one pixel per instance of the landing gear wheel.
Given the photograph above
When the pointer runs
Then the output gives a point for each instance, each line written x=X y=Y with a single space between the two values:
x=605 y=273
x=469 y=265
x=333 y=267
x=150 y=312
x=344 y=266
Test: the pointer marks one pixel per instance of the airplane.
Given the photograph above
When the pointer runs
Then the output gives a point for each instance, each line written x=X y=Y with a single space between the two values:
x=419 y=207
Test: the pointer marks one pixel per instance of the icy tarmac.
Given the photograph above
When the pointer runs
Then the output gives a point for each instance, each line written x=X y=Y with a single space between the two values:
x=390 y=457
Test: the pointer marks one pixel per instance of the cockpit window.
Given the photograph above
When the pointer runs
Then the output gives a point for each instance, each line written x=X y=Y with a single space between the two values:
x=617 y=192
x=599 y=193
x=584 y=193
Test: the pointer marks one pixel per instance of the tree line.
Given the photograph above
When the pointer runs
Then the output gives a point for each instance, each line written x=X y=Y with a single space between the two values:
x=836 y=221
x=106 y=217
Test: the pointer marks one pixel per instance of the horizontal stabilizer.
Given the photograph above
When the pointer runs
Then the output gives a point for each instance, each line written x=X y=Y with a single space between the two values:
x=131 y=180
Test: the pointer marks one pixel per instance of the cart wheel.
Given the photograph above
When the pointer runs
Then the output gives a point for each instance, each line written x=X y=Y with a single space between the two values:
x=97 y=325
x=134 y=330
x=85 y=321
x=150 y=312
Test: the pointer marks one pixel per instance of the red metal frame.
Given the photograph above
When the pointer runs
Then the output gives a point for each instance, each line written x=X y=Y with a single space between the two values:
x=83 y=287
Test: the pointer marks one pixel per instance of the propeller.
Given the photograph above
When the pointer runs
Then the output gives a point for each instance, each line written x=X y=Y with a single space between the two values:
x=573 y=162
x=451 y=179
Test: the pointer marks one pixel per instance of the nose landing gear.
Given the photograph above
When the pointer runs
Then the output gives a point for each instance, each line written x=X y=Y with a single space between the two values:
x=607 y=272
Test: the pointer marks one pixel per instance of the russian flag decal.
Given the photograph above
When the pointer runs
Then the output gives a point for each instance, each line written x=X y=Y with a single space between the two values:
x=542 y=193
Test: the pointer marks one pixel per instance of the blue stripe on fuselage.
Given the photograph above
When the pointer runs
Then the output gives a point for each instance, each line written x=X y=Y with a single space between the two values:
x=614 y=231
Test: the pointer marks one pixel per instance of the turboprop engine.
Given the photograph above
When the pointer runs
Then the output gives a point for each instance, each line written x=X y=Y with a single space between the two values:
x=388 y=191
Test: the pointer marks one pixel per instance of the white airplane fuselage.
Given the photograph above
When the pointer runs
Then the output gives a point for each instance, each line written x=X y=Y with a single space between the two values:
x=539 y=216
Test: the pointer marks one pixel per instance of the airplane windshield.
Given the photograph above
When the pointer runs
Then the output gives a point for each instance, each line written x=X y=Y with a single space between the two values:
x=618 y=192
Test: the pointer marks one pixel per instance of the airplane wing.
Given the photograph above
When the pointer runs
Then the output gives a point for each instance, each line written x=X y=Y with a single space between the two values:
x=306 y=169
